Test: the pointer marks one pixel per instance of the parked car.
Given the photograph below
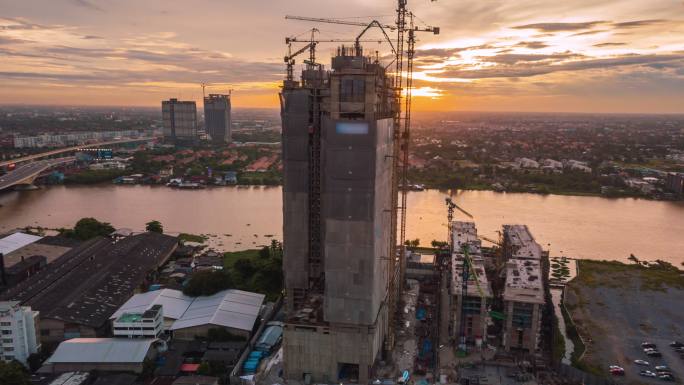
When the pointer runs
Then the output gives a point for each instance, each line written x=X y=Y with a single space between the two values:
x=662 y=367
x=648 y=345
x=654 y=353
x=677 y=344
x=666 y=377
x=647 y=373
x=616 y=370
x=641 y=362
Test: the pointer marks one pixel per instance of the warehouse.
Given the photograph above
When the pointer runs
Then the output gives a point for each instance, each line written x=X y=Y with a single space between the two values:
x=103 y=354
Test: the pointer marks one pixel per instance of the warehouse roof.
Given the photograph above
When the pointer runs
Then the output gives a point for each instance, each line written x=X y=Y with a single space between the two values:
x=101 y=350
x=174 y=303
x=229 y=308
x=16 y=241
x=88 y=283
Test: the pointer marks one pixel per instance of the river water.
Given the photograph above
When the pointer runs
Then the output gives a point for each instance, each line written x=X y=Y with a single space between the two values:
x=243 y=217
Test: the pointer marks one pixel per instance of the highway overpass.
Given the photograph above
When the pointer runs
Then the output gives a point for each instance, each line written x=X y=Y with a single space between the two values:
x=25 y=174
x=71 y=149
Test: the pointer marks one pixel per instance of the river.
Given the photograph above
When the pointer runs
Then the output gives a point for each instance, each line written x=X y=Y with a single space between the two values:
x=243 y=217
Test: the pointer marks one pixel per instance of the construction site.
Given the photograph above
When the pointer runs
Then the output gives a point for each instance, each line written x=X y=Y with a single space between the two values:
x=360 y=307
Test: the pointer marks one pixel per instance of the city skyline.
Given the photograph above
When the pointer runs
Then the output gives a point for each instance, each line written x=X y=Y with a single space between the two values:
x=577 y=56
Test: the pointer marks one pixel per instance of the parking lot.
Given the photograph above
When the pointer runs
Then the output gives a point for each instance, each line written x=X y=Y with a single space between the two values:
x=617 y=316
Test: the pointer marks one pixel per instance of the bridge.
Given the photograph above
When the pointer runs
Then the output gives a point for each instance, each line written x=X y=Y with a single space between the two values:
x=71 y=149
x=27 y=173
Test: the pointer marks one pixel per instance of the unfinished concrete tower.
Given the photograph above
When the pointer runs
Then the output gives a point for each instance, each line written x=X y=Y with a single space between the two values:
x=337 y=205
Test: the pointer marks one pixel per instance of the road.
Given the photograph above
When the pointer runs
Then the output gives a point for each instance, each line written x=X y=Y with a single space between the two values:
x=70 y=149
x=29 y=169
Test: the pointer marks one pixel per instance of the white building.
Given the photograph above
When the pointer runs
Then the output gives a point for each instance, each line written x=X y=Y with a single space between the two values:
x=146 y=324
x=18 y=325
x=527 y=163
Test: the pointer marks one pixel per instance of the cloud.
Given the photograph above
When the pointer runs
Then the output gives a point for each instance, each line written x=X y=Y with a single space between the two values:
x=639 y=23
x=512 y=58
x=609 y=44
x=531 y=44
x=535 y=68
x=560 y=27
x=88 y=4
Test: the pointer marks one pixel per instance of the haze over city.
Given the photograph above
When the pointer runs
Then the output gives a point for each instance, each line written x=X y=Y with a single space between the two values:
x=575 y=56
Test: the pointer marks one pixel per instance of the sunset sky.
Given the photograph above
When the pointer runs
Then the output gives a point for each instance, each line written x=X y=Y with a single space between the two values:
x=492 y=55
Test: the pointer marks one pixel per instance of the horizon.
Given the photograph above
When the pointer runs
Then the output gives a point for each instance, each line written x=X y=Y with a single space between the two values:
x=614 y=56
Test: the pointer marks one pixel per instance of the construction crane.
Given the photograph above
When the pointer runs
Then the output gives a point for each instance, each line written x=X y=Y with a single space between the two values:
x=337 y=21
x=498 y=243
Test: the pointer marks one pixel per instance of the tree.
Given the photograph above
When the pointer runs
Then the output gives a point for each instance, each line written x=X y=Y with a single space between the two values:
x=154 y=227
x=87 y=228
x=244 y=267
x=439 y=244
x=265 y=252
x=412 y=243
x=13 y=373
x=205 y=283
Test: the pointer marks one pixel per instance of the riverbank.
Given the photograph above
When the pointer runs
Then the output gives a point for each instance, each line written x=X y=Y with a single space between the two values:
x=616 y=306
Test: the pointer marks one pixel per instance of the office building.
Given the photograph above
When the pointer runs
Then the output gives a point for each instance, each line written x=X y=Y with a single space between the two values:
x=217 y=118
x=18 y=337
x=147 y=324
x=338 y=215
x=470 y=290
x=180 y=121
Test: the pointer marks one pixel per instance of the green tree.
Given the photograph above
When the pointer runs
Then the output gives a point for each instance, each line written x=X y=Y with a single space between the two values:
x=154 y=227
x=439 y=244
x=245 y=268
x=205 y=283
x=13 y=373
x=265 y=252
x=87 y=228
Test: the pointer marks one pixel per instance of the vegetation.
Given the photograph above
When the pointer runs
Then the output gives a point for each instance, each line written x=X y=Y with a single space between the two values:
x=184 y=237
x=439 y=244
x=204 y=283
x=87 y=228
x=94 y=176
x=260 y=271
x=13 y=373
x=154 y=227
x=653 y=276
x=412 y=243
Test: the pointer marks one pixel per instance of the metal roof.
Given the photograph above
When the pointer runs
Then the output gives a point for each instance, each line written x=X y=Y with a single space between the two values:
x=16 y=241
x=101 y=350
x=174 y=303
x=229 y=308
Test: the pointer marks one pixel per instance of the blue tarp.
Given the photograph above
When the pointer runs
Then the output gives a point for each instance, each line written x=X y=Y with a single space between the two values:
x=420 y=313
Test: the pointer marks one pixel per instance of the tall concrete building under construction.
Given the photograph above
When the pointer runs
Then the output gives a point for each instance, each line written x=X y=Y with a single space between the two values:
x=338 y=146
x=217 y=118
x=180 y=121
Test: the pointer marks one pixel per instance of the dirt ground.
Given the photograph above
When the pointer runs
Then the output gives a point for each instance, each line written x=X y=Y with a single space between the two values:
x=616 y=308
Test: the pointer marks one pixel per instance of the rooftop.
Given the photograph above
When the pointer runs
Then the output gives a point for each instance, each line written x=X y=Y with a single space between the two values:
x=523 y=281
x=465 y=233
x=88 y=283
x=230 y=308
x=101 y=350
x=16 y=241
x=521 y=241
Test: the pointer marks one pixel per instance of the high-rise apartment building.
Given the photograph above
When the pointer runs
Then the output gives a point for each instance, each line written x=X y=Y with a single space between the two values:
x=180 y=121
x=217 y=118
x=338 y=143
x=18 y=325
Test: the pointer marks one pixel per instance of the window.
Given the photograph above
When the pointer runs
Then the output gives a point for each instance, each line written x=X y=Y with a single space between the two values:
x=5 y=324
x=6 y=332
x=7 y=340
x=45 y=332
x=8 y=349
x=352 y=89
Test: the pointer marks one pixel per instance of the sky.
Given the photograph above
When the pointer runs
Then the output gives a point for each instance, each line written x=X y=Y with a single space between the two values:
x=491 y=55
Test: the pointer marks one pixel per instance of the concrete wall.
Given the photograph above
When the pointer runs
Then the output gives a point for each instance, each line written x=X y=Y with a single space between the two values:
x=356 y=209
x=189 y=334
x=54 y=331
x=295 y=123
x=511 y=332
x=318 y=350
